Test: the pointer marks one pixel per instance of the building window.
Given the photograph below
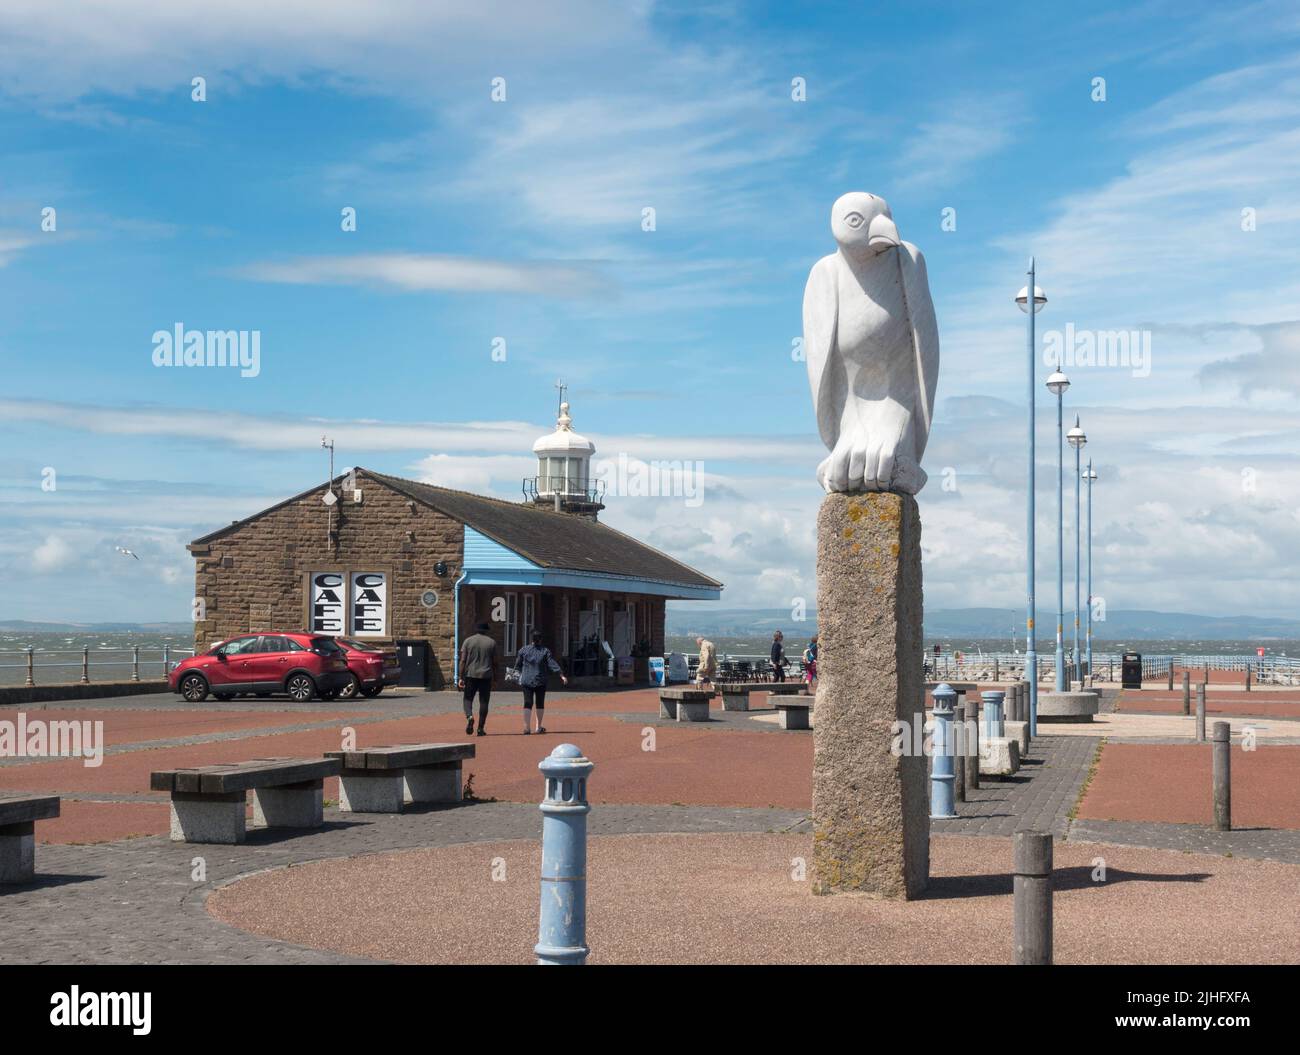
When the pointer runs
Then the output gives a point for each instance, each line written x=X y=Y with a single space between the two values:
x=529 y=618
x=599 y=607
x=326 y=600
x=512 y=624
x=369 y=604
x=343 y=603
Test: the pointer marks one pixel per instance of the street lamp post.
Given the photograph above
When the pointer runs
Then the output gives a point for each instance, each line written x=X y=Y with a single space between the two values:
x=1031 y=649
x=1090 y=475
x=1077 y=439
x=1057 y=384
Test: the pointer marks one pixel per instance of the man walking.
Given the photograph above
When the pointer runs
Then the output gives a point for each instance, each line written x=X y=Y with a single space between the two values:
x=478 y=661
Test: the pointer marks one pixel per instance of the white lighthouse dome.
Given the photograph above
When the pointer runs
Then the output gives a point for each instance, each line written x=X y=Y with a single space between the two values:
x=563 y=463
x=564 y=441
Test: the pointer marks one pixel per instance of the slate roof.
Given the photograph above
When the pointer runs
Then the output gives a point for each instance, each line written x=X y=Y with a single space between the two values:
x=547 y=538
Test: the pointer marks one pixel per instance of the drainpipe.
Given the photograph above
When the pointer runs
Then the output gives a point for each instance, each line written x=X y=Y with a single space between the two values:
x=455 y=629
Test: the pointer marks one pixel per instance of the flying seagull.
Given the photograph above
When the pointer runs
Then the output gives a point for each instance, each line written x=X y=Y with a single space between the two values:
x=125 y=552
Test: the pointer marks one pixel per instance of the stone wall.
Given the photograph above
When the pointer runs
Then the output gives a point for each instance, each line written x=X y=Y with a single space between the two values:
x=255 y=578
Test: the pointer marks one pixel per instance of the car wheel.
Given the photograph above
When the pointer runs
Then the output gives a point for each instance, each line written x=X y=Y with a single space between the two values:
x=372 y=691
x=194 y=688
x=350 y=690
x=300 y=688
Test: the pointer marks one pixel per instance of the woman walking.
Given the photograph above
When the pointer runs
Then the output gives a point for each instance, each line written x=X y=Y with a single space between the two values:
x=533 y=662
x=810 y=664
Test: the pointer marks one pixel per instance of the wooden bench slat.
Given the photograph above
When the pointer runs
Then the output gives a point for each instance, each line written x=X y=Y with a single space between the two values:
x=20 y=809
x=686 y=694
x=224 y=778
x=402 y=756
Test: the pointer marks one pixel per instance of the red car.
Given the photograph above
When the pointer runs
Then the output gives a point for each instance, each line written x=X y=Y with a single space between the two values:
x=370 y=668
x=302 y=665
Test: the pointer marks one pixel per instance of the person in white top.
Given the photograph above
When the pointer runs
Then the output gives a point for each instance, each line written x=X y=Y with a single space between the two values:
x=708 y=665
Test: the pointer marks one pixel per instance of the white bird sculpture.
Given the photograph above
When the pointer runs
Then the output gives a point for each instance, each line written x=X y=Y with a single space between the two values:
x=872 y=346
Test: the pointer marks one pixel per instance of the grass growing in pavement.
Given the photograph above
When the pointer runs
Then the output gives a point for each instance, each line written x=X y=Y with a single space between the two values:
x=1087 y=780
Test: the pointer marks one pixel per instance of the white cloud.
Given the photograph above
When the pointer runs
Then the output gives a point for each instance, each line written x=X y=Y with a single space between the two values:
x=59 y=53
x=426 y=272
x=11 y=245
x=277 y=432
x=964 y=131
x=53 y=554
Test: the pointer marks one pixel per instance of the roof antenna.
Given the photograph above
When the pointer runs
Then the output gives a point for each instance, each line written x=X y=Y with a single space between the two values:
x=559 y=407
x=329 y=497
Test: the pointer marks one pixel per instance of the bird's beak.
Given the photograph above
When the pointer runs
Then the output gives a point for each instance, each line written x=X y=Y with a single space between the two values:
x=882 y=234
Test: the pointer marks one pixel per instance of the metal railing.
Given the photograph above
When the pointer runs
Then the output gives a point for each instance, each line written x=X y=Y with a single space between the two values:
x=1107 y=666
x=1010 y=666
x=144 y=662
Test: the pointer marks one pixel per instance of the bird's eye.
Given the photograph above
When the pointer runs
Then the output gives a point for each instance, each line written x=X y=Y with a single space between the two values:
x=855 y=220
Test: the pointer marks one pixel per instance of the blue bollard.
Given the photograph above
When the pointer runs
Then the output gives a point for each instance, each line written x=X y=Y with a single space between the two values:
x=993 y=721
x=562 y=930
x=942 y=772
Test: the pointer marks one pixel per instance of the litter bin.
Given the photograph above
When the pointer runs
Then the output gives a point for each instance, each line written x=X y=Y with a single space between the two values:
x=1131 y=670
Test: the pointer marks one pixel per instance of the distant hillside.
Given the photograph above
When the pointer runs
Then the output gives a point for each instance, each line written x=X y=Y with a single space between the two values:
x=994 y=623
x=20 y=626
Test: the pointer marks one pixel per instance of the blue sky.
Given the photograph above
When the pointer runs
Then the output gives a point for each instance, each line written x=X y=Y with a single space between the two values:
x=522 y=220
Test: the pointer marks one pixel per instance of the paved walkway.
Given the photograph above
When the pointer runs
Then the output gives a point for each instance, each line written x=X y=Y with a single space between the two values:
x=139 y=901
x=746 y=898
x=142 y=899
x=1041 y=796
x=1264 y=843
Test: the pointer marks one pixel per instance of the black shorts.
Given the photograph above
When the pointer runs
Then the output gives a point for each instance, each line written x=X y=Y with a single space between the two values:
x=482 y=686
x=537 y=695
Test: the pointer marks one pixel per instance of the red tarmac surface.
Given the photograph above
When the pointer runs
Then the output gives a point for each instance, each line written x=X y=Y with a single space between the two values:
x=690 y=764
x=720 y=767
x=1223 y=703
x=1172 y=783
x=735 y=899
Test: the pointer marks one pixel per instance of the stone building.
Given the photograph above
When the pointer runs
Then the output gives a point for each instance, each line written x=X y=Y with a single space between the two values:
x=394 y=561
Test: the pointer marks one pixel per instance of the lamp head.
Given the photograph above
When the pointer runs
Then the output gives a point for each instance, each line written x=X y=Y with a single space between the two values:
x=1057 y=383
x=1076 y=435
x=1040 y=298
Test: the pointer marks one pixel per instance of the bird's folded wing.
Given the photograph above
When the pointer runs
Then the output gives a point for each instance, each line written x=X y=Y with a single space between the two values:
x=825 y=372
x=925 y=335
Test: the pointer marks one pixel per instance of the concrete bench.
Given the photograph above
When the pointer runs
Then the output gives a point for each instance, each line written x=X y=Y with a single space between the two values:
x=208 y=801
x=793 y=715
x=779 y=688
x=384 y=779
x=685 y=705
x=18 y=817
x=735 y=695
